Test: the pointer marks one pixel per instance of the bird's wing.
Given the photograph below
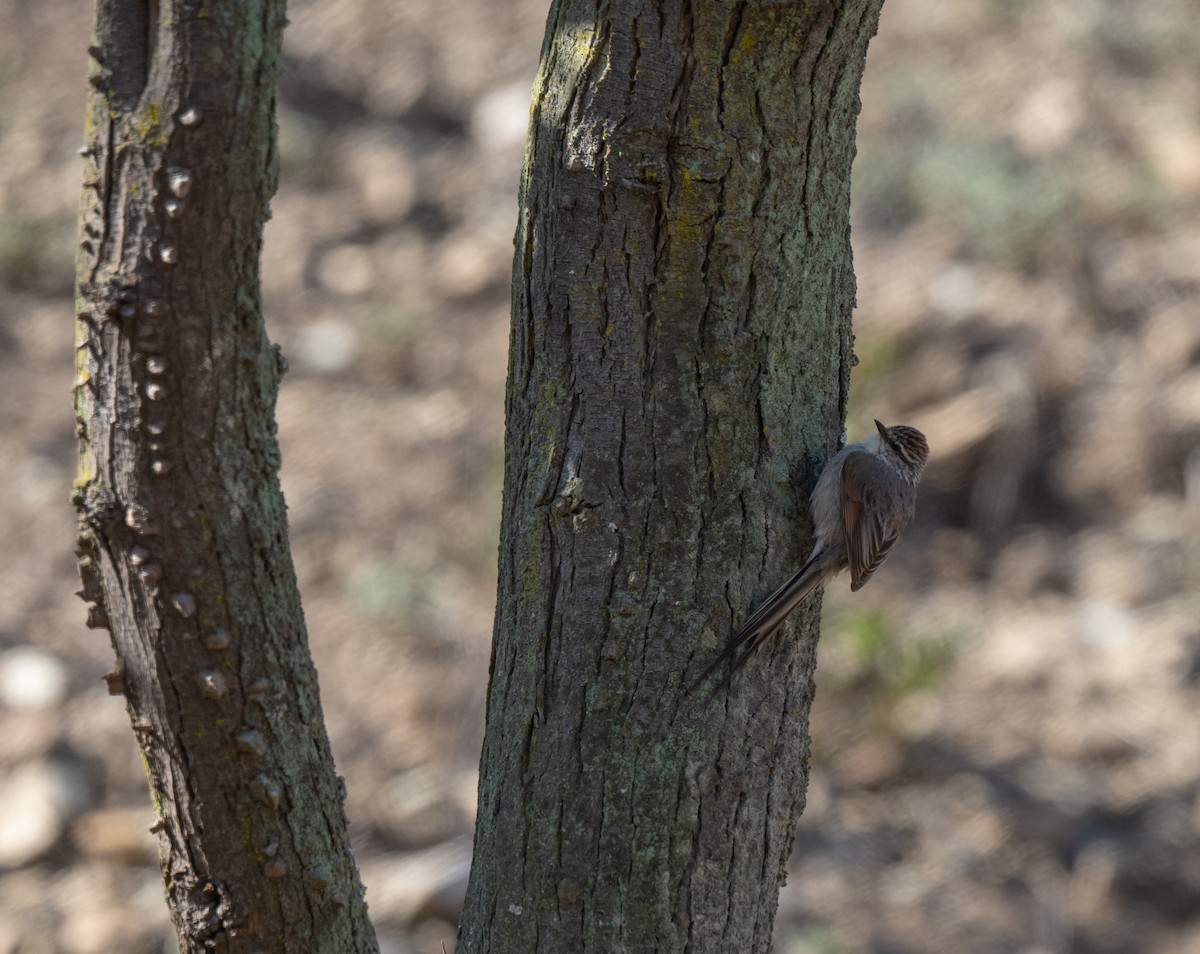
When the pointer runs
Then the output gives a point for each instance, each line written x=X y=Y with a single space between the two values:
x=866 y=500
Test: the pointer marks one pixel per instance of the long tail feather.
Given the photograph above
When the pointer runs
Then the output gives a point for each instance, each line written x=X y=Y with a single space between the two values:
x=766 y=620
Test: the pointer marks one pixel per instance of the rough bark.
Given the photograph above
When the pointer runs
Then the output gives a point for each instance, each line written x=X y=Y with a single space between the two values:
x=680 y=357
x=183 y=536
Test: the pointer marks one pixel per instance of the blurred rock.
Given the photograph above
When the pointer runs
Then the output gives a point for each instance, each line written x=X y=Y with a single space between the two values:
x=955 y=290
x=465 y=265
x=1049 y=116
x=1024 y=643
x=1172 y=142
x=1183 y=401
x=1171 y=335
x=347 y=269
x=327 y=345
x=36 y=802
x=302 y=228
x=501 y=118
x=378 y=166
x=1106 y=624
x=30 y=679
x=418 y=886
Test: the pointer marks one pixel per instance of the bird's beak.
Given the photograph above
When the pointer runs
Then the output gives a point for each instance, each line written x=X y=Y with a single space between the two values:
x=882 y=430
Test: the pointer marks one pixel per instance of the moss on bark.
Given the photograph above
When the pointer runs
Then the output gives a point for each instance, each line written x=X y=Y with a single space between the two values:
x=680 y=357
x=183 y=545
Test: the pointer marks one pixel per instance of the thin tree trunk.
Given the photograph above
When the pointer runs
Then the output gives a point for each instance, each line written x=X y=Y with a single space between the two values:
x=680 y=357
x=183 y=535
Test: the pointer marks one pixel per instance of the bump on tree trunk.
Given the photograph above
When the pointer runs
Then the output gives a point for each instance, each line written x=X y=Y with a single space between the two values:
x=182 y=544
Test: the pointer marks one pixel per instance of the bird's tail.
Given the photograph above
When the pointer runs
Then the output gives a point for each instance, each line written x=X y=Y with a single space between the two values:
x=767 y=619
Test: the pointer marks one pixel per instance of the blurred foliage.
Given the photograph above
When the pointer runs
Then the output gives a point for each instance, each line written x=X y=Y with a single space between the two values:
x=878 y=355
x=999 y=203
x=810 y=939
x=388 y=589
x=864 y=653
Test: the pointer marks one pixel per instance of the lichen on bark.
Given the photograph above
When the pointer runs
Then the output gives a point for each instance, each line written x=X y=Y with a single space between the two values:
x=182 y=542
x=679 y=362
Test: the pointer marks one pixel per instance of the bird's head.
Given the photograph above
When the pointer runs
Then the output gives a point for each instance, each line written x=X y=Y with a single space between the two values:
x=907 y=443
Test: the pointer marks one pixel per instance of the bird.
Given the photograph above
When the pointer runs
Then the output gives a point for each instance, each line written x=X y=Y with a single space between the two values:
x=865 y=497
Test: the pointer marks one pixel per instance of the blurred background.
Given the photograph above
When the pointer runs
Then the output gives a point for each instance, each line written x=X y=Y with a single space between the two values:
x=1007 y=731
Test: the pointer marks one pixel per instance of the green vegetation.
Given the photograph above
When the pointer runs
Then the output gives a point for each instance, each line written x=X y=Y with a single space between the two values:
x=863 y=652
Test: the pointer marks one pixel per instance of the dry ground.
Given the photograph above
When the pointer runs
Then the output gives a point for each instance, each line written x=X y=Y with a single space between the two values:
x=1008 y=749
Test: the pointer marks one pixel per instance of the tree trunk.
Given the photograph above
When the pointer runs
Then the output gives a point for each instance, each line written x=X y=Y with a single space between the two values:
x=183 y=535
x=680 y=357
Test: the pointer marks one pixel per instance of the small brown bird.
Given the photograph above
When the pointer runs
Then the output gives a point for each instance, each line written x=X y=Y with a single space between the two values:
x=864 y=498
